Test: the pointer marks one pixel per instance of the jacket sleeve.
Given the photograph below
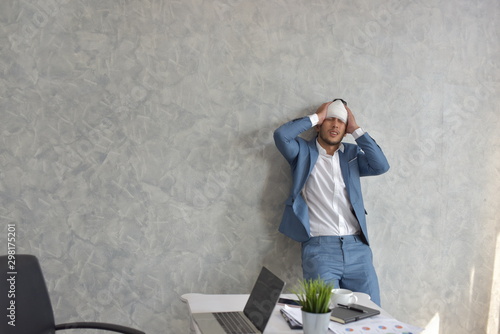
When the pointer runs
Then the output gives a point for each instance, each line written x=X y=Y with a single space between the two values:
x=286 y=137
x=371 y=159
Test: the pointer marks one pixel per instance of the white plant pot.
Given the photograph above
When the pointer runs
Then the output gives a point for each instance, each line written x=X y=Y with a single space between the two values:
x=315 y=323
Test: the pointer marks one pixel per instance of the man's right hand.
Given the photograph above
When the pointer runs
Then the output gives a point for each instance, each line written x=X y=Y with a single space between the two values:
x=321 y=112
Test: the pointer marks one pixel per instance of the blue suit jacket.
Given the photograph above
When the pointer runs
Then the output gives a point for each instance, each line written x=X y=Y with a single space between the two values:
x=364 y=159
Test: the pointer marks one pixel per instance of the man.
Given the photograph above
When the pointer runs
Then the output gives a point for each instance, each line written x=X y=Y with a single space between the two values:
x=325 y=210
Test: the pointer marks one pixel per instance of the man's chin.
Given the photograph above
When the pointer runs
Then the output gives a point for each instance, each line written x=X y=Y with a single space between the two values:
x=332 y=142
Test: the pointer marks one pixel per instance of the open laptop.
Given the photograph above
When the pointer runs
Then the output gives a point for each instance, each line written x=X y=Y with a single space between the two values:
x=255 y=315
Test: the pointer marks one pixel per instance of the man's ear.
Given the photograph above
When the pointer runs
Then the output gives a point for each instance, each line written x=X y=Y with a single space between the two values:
x=317 y=127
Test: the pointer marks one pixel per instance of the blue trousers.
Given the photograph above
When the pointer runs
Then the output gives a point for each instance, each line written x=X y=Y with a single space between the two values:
x=345 y=261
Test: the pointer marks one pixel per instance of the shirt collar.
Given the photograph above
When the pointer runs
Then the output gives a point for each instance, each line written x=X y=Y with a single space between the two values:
x=322 y=151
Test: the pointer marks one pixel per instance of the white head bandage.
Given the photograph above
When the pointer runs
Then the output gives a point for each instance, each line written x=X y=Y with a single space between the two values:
x=337 y=109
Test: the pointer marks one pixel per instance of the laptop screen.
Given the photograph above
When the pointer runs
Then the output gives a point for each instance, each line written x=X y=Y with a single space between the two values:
x=263 y=299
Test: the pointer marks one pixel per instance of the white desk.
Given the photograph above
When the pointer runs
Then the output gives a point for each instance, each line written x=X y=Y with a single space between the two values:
x=199 y=303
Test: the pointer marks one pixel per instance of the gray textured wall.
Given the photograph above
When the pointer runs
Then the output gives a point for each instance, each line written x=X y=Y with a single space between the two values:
x=137 y=162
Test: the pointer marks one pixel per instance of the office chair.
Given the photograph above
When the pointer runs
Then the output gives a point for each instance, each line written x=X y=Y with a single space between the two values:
x=25 y=299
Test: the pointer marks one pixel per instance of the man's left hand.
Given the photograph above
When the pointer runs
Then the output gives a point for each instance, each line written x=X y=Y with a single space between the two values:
x=351 y=122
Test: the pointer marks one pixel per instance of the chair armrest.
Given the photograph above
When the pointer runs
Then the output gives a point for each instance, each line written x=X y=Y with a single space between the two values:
x=99 y=325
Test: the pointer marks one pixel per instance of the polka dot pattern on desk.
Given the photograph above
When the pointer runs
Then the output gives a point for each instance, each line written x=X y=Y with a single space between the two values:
x=380 y=329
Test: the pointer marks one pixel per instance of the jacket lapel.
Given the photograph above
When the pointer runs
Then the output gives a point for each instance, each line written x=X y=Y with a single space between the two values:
x=313 y=155
x=306 y=165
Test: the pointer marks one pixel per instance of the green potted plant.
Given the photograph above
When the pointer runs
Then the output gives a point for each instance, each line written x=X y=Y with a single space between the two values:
x=314 y=296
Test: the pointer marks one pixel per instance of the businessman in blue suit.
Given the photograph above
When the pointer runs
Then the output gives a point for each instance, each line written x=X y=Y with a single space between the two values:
x=325 y=210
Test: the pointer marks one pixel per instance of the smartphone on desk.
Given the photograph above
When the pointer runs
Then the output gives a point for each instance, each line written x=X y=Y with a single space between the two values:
x=287 y=301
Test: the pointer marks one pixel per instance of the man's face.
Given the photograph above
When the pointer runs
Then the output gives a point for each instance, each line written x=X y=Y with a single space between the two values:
x=331 y=131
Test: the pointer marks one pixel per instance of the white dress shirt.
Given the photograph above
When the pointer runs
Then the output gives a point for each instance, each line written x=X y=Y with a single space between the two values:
x=330 y=211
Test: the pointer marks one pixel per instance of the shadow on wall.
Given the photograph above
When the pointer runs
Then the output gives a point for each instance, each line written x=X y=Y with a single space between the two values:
x=280 y=254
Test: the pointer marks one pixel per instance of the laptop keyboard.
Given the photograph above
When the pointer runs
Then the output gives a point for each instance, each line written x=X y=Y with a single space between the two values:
x=233 y=323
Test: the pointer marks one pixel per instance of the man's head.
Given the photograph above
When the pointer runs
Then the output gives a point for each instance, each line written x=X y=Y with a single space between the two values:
x=338 y=110
x=333 y=129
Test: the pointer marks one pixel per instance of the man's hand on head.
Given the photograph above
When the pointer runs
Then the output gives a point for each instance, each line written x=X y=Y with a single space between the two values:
x=351 y=122
x=322 y=111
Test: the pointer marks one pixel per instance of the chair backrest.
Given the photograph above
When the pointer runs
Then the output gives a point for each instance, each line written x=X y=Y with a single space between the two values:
x=24 y=295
